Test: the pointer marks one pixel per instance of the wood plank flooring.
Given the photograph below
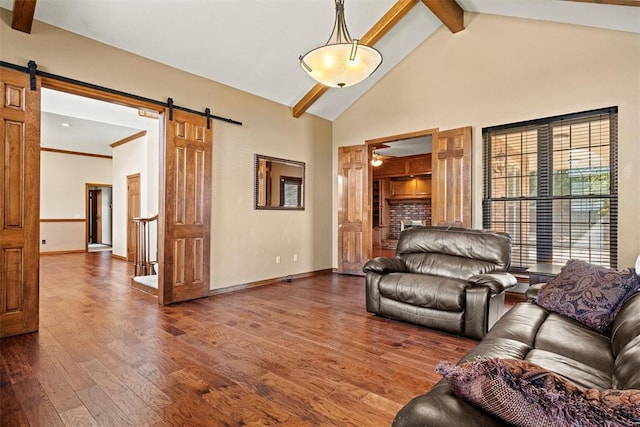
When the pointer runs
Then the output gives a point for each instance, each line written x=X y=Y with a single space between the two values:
x=303 y=353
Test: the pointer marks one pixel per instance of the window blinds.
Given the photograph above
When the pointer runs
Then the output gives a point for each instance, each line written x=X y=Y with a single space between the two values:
x=552 y=184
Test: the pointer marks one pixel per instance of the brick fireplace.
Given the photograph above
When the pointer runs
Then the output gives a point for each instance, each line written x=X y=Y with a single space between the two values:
x=403 y=210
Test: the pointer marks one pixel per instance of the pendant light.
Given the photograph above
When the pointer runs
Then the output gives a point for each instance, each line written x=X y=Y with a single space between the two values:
x=342 y=61
x=375 y=160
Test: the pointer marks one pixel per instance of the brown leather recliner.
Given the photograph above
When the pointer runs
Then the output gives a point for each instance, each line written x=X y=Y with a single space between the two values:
x=452 y=279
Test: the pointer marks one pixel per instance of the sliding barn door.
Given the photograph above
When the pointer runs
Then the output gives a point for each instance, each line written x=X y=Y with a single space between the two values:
x=20 y=210
x=353 y=215
x=451 y=179
x=185 y=209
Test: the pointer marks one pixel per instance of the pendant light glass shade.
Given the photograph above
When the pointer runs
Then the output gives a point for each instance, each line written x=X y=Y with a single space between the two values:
x=376 y=160
x=342 y=61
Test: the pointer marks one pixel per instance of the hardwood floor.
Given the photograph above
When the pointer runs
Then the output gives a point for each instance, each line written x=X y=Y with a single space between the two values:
x=303 y=353
x=376 y=252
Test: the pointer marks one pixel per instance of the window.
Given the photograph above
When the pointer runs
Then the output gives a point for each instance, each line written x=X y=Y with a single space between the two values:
x=552 y=185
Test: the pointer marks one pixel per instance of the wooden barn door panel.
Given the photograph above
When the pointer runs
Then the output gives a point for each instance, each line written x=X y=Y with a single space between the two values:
x=451 y=179
x=353 y=216
x=185 y=209
x=20 y=209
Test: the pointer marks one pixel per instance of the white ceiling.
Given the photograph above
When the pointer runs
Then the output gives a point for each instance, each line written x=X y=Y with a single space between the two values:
x=253 y=45
x=93 y=125
x=406 y=147
x=80 y=135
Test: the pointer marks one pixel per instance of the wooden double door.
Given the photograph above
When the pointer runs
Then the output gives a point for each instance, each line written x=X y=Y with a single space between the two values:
x=184 y=201
x=450 y=194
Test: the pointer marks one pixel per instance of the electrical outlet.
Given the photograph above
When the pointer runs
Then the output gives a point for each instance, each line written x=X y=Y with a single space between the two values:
x=295 y=257
x=278 y=259
x=44 y=242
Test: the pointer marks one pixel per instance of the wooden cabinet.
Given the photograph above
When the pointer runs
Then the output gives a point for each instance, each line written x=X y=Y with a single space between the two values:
x=403 y=166
x=418 y=165
x=423 y=186
x=411 y=188
x=390 y=167
x=402 y=188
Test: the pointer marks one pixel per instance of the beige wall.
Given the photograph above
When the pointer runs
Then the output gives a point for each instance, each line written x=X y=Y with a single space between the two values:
x=131 y=159
x=62 y=183
x=502 y=70
x=245 y=242
x=63 y=236
x=63 y=196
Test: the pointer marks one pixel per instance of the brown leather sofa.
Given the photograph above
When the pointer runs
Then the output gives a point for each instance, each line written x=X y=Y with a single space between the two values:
x=555 y=342
x=451 y=279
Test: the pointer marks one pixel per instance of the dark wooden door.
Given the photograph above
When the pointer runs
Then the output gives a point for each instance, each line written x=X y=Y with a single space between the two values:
x=133 y=211
x=451 y=179
x=98 y=216
x=95 y=216
x=354 y=241
x=185 y=208
x=20 y=209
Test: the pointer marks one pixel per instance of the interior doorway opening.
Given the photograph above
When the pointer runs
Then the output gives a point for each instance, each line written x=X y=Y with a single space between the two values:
x=99 y=217
x=175 y=191
x=94 y=144
x=400 y=169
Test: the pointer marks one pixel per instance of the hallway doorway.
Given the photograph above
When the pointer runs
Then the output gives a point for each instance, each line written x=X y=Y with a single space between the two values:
x=99 y=217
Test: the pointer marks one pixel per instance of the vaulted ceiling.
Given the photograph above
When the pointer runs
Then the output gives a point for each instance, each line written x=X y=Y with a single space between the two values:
x=253 y=45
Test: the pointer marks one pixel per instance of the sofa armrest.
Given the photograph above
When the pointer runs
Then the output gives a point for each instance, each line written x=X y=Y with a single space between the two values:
x=533 y=290
x=442 y=408
x=496 y=282
x=383 y=265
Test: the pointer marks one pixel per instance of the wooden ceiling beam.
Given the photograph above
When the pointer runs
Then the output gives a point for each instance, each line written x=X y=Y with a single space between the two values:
x=307 y=101
x=387 y=22
x=379 y=29
x=635 y=3
x=23 y=11
x=447 y=11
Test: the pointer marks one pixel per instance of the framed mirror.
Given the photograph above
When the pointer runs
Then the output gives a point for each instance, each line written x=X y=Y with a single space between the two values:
x=279 y=183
